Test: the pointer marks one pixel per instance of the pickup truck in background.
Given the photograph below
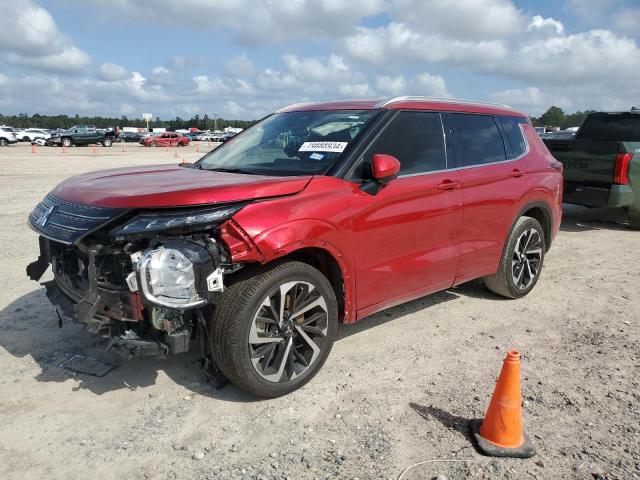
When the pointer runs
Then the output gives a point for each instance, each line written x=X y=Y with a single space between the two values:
x=83 y=135
x=602 y=163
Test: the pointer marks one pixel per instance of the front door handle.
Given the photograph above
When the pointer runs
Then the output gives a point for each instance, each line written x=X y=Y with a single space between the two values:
x=516 y=173
x=449 y=185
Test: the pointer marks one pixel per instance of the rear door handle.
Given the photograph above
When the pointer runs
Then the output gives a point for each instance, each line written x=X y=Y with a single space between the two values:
x=449 y=185
x=515 y=173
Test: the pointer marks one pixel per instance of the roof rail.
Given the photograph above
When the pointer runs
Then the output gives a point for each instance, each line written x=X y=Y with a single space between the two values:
x=300 y=104
x=388 y=101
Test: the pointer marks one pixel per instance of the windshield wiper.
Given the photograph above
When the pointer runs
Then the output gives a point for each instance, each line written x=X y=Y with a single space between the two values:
x=231 y=170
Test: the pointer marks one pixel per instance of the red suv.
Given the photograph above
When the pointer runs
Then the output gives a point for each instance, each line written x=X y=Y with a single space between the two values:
x=316 y=215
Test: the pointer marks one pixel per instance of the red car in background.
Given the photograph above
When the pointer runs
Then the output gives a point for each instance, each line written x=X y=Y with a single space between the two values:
x=316 y=215
x=168 y=139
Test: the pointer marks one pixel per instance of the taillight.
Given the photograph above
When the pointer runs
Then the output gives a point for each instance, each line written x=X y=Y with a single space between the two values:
x=621 y=175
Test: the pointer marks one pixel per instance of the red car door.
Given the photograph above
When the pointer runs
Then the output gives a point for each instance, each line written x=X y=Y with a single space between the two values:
x=493 y=181
x=405 y=236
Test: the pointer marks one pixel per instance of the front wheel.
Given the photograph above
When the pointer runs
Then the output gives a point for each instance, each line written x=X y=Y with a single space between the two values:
x=107 y=142
x=66 y=142
x=272 y=331
x=521 y=261
x=3 y=142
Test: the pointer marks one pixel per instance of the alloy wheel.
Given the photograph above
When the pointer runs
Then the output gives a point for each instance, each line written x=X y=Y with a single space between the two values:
x=526 y=259
x=288 y=331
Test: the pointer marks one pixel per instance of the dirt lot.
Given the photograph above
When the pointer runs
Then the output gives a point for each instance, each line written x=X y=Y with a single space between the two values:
x=398 y=388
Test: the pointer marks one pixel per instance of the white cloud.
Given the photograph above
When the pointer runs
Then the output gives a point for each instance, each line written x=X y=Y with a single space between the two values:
x=581 y=58
x=465 y=20
x=254 y=21
x=627 y=22
x=240 y=66
x=356 y=90
x=111 y=71
x=397 y=42
x=30 y=38
x=314 y=70
x=391 y=85
x=545 y=25
x=159 y=71
x=432 y=85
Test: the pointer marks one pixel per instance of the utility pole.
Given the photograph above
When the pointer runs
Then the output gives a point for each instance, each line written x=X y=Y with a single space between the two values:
x=215 y=121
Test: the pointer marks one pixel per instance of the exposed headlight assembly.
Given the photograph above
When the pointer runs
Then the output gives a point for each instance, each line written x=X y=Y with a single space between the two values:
x=179 y=273
x=172 y=221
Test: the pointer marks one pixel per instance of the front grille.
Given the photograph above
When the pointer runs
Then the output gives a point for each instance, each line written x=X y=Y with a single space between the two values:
x=66 y=222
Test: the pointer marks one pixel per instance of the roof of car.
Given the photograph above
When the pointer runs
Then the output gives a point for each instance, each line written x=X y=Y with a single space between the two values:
x=409 y=103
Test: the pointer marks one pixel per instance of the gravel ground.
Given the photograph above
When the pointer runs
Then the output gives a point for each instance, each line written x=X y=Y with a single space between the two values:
x=398 y=388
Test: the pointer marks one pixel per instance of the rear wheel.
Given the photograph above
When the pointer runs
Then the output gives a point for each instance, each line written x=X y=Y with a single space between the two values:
x=107 y=142
x=3 y=142
x=26 y=139
x=273 y=331
x=521 y=261
x=66 y=142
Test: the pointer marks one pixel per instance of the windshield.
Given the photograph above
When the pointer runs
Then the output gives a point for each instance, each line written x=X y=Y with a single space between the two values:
x=291 y=143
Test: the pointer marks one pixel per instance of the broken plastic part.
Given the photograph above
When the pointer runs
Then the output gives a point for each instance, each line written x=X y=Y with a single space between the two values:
x=215 y=281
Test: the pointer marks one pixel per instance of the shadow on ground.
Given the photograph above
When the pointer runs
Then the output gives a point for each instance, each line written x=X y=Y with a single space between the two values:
x=579 y=219
x=29 y=328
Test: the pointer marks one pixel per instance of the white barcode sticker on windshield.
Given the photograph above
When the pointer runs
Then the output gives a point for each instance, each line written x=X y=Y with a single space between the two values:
x=336 y=147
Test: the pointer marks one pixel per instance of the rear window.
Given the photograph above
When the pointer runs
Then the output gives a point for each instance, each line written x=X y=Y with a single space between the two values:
x=479 y=139
x=513 y=131
x=618 y=127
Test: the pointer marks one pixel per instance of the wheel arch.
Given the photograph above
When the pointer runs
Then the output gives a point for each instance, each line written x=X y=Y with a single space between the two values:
x=283 y=243
x=540 y=211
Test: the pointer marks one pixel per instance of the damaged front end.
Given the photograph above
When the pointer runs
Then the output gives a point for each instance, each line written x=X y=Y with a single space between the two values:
x=139 y=278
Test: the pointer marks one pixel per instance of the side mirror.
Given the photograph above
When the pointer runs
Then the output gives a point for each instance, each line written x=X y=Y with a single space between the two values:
x=384 y=167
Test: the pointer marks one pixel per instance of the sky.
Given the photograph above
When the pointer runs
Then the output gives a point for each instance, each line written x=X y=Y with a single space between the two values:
x=243 y=59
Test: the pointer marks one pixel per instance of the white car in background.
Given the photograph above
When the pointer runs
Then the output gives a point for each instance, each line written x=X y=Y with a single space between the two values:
x=7 y=136
x=31 y=134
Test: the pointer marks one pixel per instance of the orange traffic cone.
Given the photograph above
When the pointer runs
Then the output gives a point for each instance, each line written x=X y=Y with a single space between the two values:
x=93 y=150
x=34 y=149
x=124 y=149
x=197 y=149
x=501 y=434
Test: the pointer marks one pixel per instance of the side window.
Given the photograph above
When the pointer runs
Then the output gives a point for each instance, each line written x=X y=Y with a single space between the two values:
x=416 y=140
x=515 y=137
x=479 y=139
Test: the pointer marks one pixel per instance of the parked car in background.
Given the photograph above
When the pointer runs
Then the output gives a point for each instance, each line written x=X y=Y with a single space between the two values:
x=30 y=134
x=7 y=136
x=166 y=139
x=83 y=135
x=602 y=162
x=128 y=137
x=316 y=215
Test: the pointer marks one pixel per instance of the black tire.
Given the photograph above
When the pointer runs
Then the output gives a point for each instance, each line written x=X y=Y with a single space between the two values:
x=503 y=282
x=107 y=142
x=634 y=219
x=26 y=139
x=3 y=142
x=66 y=142
x=235 y=318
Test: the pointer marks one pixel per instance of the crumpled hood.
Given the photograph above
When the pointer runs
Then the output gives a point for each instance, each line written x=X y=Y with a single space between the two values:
x=171 y=186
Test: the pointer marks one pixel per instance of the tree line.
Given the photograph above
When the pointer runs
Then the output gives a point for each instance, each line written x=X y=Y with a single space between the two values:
x=36 y=120
x=555 y=117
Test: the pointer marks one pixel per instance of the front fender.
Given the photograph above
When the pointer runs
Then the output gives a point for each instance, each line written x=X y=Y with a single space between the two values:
x=287 y=238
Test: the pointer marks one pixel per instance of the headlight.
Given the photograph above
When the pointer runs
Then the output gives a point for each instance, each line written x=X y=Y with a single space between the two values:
x=172 y=221
x=178 y=274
